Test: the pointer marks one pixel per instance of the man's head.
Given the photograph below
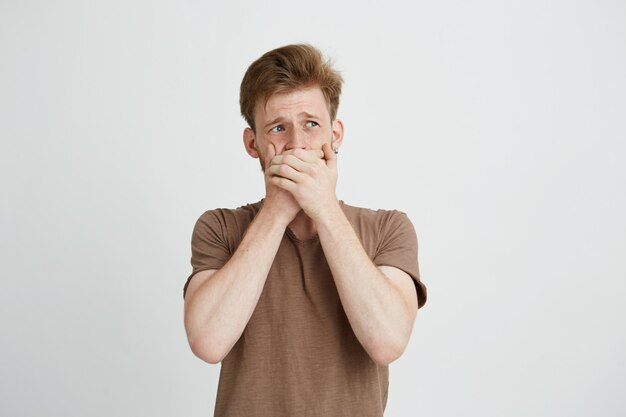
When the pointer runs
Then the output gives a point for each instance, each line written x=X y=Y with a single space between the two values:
x=286 y=69
x=289 y=97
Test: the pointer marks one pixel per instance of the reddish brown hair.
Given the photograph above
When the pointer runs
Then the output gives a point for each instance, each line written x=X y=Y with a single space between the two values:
x=286 y=69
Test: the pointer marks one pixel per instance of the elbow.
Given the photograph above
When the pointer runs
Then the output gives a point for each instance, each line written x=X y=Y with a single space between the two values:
x=387 y=353
x=385 y=357
x=203 y=344
x=207 y=351
x=389 y=348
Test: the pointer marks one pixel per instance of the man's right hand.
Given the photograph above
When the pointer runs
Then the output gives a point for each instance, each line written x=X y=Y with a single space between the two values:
x=278 y=201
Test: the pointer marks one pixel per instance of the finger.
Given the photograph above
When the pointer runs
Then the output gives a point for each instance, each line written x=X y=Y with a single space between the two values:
x=315 y=152
x=294 y=162
x=285 y=171
x=271 y=153
x=284 y=183
x=329 y=155
x=311 y=156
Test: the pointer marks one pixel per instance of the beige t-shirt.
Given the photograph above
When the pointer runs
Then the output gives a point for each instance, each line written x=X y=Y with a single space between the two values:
x=298 y=355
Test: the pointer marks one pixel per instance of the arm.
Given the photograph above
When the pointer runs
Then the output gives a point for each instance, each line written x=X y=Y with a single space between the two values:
x=380 y=303
x=219 y=303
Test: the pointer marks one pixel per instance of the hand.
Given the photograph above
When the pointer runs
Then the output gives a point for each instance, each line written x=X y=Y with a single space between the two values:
x=309 y=176
x=277 y=200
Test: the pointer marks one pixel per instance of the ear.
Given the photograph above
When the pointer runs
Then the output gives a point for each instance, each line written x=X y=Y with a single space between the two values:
x=249 y=141
x=338 y=131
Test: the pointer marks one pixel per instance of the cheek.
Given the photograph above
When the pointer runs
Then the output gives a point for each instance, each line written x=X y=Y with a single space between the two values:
x=323 y=136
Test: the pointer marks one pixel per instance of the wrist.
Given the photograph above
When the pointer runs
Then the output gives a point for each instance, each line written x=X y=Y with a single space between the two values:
x=274 y=217
x=329 y=215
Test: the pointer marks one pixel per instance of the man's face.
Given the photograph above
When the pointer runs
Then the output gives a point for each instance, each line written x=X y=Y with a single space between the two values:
x=297 y=119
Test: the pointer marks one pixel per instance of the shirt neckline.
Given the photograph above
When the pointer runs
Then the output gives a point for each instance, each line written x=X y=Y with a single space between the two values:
x=312 y=239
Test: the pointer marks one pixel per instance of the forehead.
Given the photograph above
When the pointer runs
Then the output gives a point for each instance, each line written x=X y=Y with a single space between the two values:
x=305 y=100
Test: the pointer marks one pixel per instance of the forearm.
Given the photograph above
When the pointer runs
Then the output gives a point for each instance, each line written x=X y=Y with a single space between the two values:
x=219 y=310
x=378 y=314
x=377 y=308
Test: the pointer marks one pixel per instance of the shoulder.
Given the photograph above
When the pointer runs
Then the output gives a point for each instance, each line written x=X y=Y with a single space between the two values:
x=226 y=216
x=379 y=220
x=227 y=221
x=381 y=229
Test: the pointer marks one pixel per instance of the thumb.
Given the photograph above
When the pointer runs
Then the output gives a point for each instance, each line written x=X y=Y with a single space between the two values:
x=329 y=155
x=271 y=153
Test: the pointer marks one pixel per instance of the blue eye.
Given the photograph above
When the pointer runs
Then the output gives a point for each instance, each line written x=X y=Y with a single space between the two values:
x=277 y=129
x=311 y=123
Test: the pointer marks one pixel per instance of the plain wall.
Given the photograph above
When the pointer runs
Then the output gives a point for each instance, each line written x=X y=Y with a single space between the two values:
x=498 y=127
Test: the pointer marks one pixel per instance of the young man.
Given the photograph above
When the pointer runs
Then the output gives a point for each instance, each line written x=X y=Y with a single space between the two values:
x=304 y=299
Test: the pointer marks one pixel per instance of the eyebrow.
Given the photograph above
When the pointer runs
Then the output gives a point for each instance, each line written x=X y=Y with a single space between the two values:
x=276 y=120
x=309 y=115
x=280 y=118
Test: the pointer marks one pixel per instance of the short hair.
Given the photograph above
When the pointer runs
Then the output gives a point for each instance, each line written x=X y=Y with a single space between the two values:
x=286 y=69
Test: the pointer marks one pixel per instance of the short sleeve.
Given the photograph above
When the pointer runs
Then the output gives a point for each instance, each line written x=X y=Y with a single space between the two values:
x=398 y=248
x=209 y=244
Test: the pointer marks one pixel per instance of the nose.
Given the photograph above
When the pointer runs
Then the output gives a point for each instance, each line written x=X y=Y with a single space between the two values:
x=297 y=139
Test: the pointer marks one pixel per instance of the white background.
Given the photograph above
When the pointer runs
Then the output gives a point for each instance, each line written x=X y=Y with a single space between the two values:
x=497 y=126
